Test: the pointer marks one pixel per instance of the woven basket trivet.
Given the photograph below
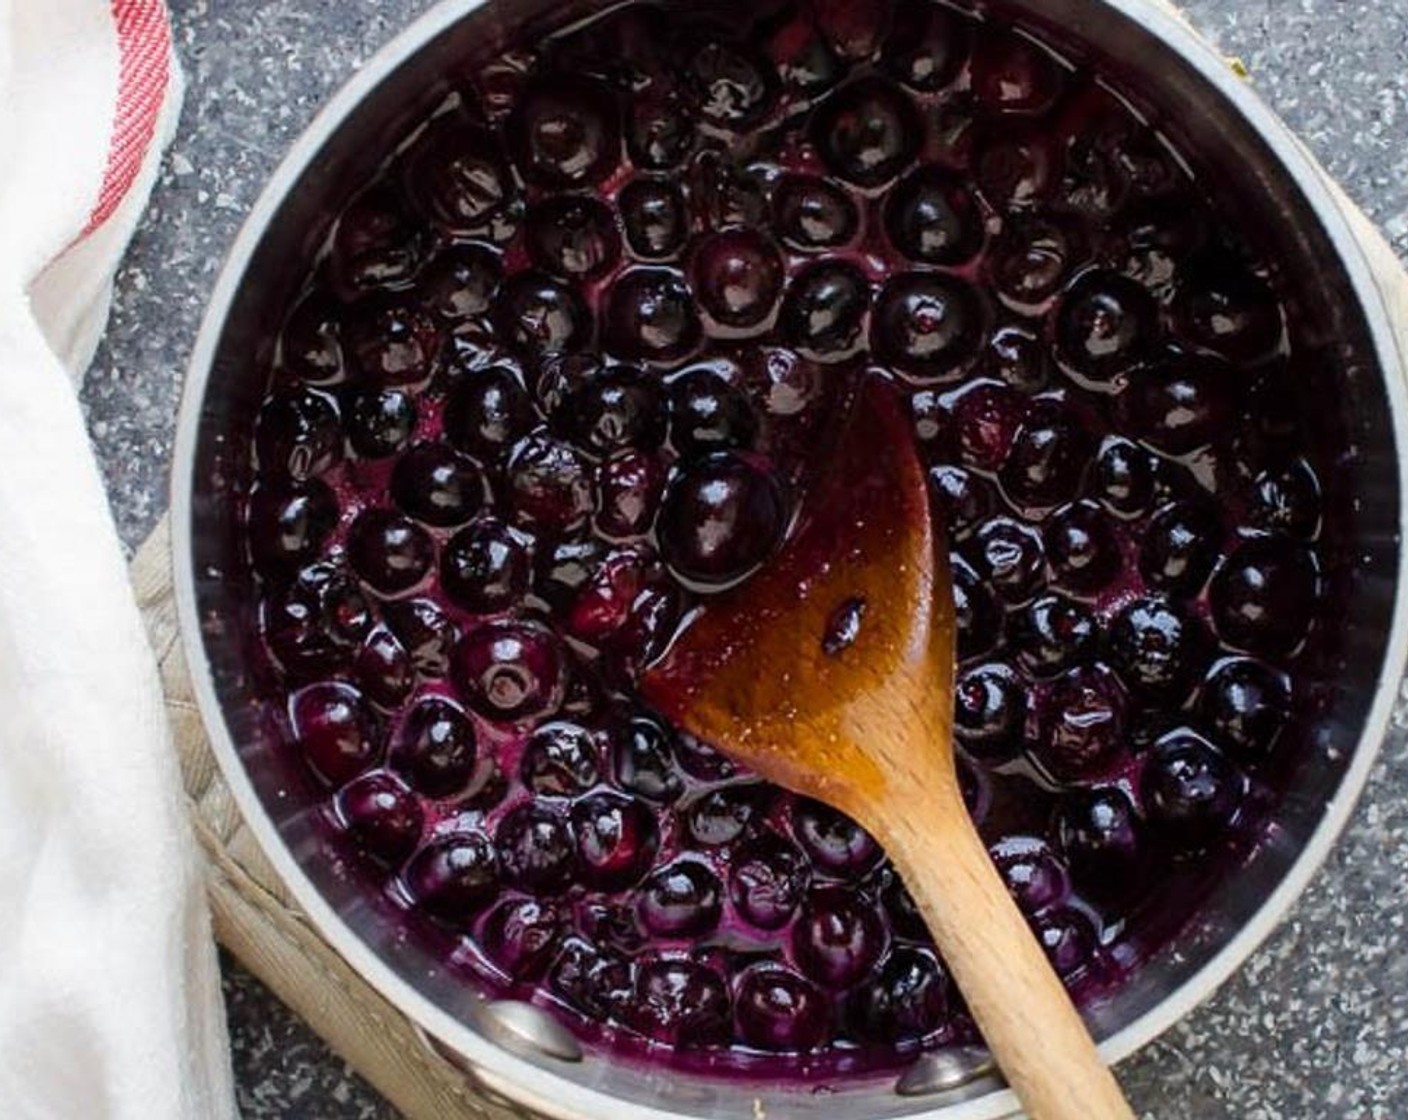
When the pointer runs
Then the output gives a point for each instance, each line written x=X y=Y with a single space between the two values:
x=259 y=922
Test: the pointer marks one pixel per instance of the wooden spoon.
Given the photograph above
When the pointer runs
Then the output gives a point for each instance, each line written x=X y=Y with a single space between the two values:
x=831 y=672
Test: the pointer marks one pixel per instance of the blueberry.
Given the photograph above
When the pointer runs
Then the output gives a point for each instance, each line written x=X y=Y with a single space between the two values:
x=559 y=760
x=990 y=711
x=393 y=342
x=709 y=414
x=628 y=487
x=835 y=843
x=1180 y=405
x=538 y=315
x=379 y=422
x=389 y=551
x=316 y=625
x=1008 y=556
x=976 y=614
x=1124 y=478
x=805 y=62
x=1033 y=874
x=596 y=982
x=778 y=1011
x=1181 y=545
x=536 y=849
x=1048 y=458
x=1157 y=647
x=1081 y=722
x=964 y=500
x=932 y=217
x=867 y=132
x=730 y=86
x=607 y=610
x=520 y=935
x=427 y=633
x=289 y=524
x=381 y=817
x=1031 y=258
x=571 y=237
x=1264 y=597
x=768 y=881
x=927 y=45
x=1222 y=307
x=1017 y=357
x=681 y=899
x=737 y=275
x=906 y=1001
x=310 y=344
x=1015 y=167
x=724 y=815
x=384 y=669
x=681 y=1003
x=1191 y=792
x=376 y=243
x=336 y=731
x=855 y=31
x=838 y=937
x=297 y=435
x=651 y=315
x=619 y=407
x=434 y=749
x=484 y=567
x=655 y=219
x=1246 y=705
x=1013 y=74
x=567 y=567
x=452 y=877
x=550 y=484
x=438 y=486
x=486 y=412
x=1068 y=938
x=565 y=132
x=812 y=214
x=617 y=838
x=510 y=671
x=1054 y=634
x=458 y=177
x=721 y=517
x=724 y=194
x=1287 y=500
x=643 y=761
x=926 y=324
x=824 y=311
x=986 y=418
x=659 y=132
x=1081 y=548
x=461 y=282
x=1105 y=324
x=1098 y=832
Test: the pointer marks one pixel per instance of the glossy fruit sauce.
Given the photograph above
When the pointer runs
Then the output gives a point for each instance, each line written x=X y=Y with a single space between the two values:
x=562 y=373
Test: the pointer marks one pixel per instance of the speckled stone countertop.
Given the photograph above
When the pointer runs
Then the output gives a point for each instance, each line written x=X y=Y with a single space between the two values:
x=1316 y=1025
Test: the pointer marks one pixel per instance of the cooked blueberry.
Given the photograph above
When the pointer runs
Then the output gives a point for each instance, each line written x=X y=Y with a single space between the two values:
x=1012 y=74
x=452 y=877
x=1049 y=455
x=769 y=879
x=540 y=315
x=335 y=729
x=1222 y=307
x=651 y=315
x=987 y=417
x=723 y=194
x=855 y=31
x=1264 y=596
x=1018 y=358
x=288 y=525
x=835 y=843
x=1098 y=831
x=1031 y=259
x=297 y=435
x=737 y=277
x=1245 y=704
x=617 y=838
x=654 y=216
x=1191 y=791
x=1053 y=634
x=1181 y=404
x=379 y=422
x=381 y=816
x=1287 y=500
x=376 y=243
x=572 y=237
x=1124 y=479
x=565 y=568
x=823 y=314
x=486 y=412
x=721 y=816
x=1156 y=647
x=1068 y=938
x=423 y=628
x=1181 y=544
x=932 y=217
x=628 y=487
x=1105 y=324
x=458 y=176
x=1008 y=556
x=393 y=342
x=926 y=324
x=933 y=419
x=620 y=597
x=780 y=1012
x=1032 y=872
x=1081 y=548
x=709 y=414
x=619 y=407
x=598 y=983
x=1081 y=722
x=720 y=519
x=643 y=761
x=976 y=614
x=536 y=849
x=383 y=669
x=990 y=711
x=550 y=484
x=927 y=46
x=565 y=132
x=907 y=999
x=484 y=567
x=681 y=1003
x=316 y=625
x=559 y=760
x=435 y=748
x=804 y=61
x=310 y=344
x=838 y=937
x=811 y=213
x=520 y=935
x=461 y=282
x=510 y=671
x=867 y=132
x=1015 y=167
x=438 y=486
x=680 y=900
x=389 y=551
x=731 y=87
x=659 y=133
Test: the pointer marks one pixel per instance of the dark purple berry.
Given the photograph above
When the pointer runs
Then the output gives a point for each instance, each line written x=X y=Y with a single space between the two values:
x=1156 y=647
x=976 y=614
x=907 y=999
x=619 y=407
x=1245 y=704
x=680 y=1003
x=778 y=1011
x=566 y=568
x=384 y=669
x=927 y=46
x=486 y=412
x=1264 y=596
x=1191 y=792
x=539 y=315
x=1081 y=722
x=381 y=816
x=316 y=625
x=1180 y=405
x=1124 y=478
x=1098 y=833
x=379 y=422
x=434 y=749
x=926 y=324
x=721 y=517
x=1105 y=324
x=1081 y=548
x=393 y=342
x=1181 y=544
x=1054 y=634
x=289 y=524
x=722 y=816
x=768 y=881
x=458 y=177
x=835 y=843
x=1008 y=556
x=1068 y=938
x=572 y=237
x=655 y=219
x=803 y=59
x=510 y=671
x=310 y=345
x=597 y=983
x=536 y=849
x=1031 y=259
x=453 y=876
x=811 y=214
x=438 y=486
x=855 y=31
x=932 y=217
x=824 y=311
x=1033 y=874
x=520 y=936
x=297 y=435
x=550 y=484
x=723 y=194
x=1048 y=458
x=376 y=244
x=838 y=937
x=990 y=712
x=1222 y=307
x=617 y=838
x=336 y=731
x=1287 y=500
x=628 y=488
x=736 y=275
x=651 y=316
x=423 y=628
x=986 y=418
x=484 y=567
x=1018 y=358
x=709 y=414
x=730 y=86
x=659 y=133
x=1013 y=74
x=389 y=551
x=644 y=761
x=559 y=760
x=680 y=900
x=461 y=282
x=565 y=132
x=867 y=132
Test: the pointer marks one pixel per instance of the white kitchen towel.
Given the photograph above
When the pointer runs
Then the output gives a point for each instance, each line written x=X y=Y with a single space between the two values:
x=109 y=989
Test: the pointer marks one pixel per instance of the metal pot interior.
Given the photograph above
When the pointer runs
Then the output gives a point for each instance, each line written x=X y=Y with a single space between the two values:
x=1343 y=387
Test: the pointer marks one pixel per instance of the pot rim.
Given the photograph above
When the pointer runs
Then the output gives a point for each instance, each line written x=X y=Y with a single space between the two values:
x=535 y=1086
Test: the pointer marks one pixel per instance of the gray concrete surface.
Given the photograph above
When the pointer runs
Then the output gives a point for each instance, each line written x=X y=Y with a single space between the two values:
x=1315 y=1026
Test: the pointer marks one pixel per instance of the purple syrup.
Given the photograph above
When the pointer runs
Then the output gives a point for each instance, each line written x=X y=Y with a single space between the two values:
x=567 y=369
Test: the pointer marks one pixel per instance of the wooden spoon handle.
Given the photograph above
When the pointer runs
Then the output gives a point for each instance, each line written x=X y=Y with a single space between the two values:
x=1033 y=1030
